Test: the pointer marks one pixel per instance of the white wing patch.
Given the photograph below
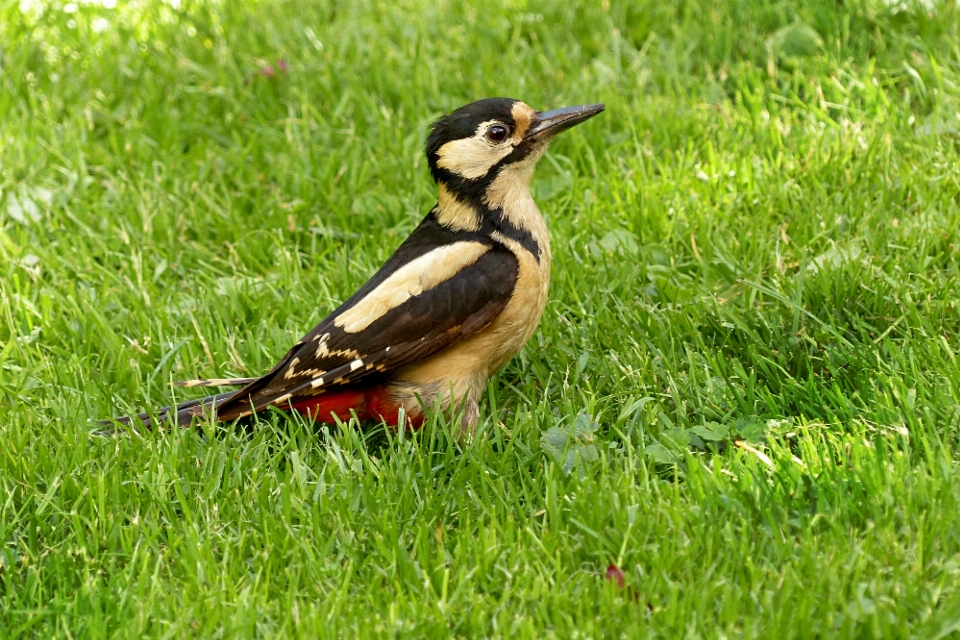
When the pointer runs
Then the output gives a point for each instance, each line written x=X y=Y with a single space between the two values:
x=324 y=352
x=292 y=369
x=412 y=279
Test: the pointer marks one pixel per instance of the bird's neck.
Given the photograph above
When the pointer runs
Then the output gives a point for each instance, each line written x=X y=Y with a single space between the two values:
x=509 y=196
x=457 y=213
x=505 y=209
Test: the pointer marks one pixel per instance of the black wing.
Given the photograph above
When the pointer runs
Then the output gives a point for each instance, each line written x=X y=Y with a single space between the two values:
x=467 y=280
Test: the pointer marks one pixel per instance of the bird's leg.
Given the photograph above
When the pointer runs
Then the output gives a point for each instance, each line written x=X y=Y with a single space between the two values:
x=468 y=421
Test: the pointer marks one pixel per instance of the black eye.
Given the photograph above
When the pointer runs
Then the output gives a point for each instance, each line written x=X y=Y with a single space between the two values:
x=497 y=133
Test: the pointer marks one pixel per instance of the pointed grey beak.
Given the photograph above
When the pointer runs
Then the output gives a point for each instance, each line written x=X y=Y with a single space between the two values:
x=550 y=123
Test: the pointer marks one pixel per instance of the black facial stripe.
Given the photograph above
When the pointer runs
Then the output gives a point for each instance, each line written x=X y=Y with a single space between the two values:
x=493 y=220
x=472 y=192
x=521 y=236
x=521 y=151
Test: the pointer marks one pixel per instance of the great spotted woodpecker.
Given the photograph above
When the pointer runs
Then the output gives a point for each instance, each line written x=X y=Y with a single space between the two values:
x=456 y=301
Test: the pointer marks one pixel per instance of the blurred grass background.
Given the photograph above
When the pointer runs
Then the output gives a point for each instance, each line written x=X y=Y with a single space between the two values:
x=756 y=243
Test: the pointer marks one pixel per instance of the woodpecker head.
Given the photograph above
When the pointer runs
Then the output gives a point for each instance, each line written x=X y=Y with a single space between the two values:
x=469 y=148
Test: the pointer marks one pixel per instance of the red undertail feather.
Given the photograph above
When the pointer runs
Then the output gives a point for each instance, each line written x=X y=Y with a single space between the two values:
x=369 y=405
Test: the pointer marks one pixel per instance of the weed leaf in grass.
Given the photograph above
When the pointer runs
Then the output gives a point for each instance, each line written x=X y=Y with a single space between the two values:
x=834 y=258
x=23 y=210
x=751 y=429
x=795 y=41
x=659 y=453
x=711 y=432
x=572 y=447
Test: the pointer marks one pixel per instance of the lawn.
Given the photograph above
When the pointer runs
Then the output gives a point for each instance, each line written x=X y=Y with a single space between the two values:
x=744 y=392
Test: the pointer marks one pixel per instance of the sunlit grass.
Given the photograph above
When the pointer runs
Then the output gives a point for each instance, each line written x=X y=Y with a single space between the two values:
x=752 y=333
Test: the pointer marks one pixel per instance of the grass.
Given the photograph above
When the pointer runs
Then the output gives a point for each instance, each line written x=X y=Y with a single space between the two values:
x=752 y=333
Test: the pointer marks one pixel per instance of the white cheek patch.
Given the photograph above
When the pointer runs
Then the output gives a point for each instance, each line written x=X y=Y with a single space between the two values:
x=412 y=279
x=473 y=157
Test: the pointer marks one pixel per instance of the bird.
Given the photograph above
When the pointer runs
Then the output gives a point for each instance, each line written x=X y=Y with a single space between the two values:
x=454 y=303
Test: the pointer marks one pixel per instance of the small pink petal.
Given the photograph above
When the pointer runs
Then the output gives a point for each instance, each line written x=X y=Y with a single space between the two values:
x=267 y=71
x=614 y=574
x=282 y=65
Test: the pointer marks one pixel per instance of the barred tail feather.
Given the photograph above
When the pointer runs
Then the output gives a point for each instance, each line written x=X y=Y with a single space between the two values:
x=215 y=382
x=182 y=415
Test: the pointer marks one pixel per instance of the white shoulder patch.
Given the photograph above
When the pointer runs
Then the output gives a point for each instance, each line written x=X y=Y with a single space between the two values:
x=412 y=279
